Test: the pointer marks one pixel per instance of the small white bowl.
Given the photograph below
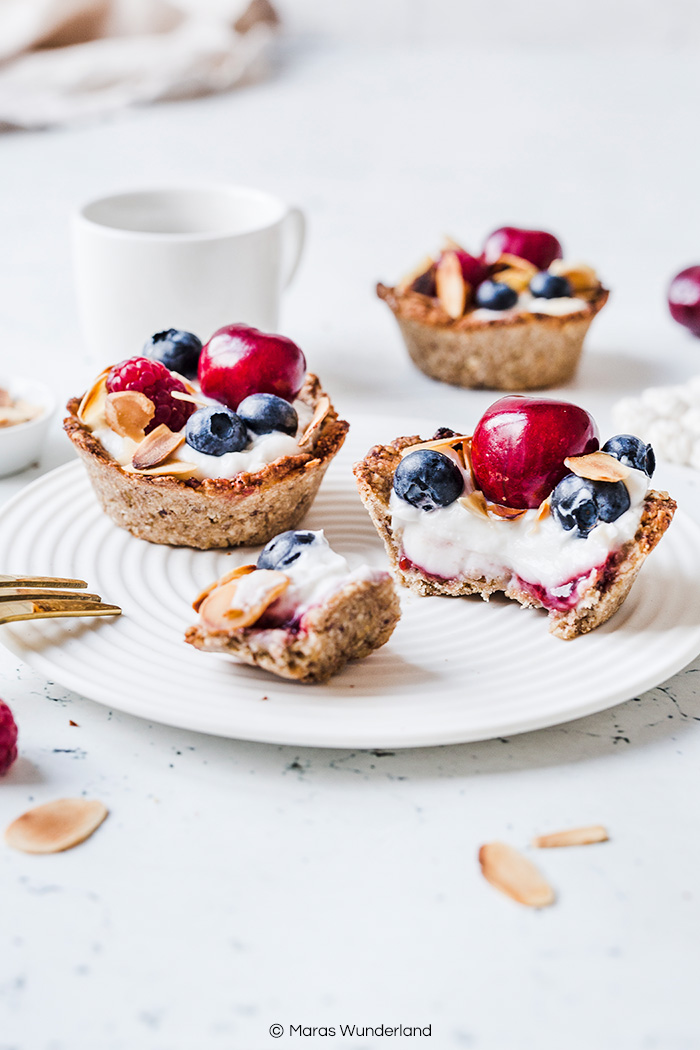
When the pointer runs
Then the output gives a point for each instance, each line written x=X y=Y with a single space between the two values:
x=21 y=444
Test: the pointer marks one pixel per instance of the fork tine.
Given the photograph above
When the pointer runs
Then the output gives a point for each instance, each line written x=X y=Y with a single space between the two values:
x=39 y=581
x=50 y=608
x=13 y=594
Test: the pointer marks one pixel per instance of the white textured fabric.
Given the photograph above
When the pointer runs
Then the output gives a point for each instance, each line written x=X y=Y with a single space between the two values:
x=68 y=60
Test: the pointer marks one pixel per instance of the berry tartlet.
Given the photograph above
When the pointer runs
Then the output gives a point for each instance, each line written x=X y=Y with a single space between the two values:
x=230 y=459
x=300 y=612
x=529 y=505
x=512 y=318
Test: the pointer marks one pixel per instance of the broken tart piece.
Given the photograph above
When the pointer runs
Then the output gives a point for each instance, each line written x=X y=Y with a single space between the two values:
x=529 y=505
x=513 y=317
x=300 y=612
x=213 y=446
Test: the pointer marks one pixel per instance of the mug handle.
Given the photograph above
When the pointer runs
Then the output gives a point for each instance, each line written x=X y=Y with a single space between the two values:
x=294 y=234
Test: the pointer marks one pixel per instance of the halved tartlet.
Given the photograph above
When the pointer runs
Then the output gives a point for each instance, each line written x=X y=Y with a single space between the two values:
x=475 y=546
x=498 y=320
x=167 y=503
x=302 y=620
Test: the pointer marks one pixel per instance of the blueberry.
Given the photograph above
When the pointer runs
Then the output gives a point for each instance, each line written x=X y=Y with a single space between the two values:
x=548 y=286
x=285 y=549
x=215 y=430
x=427 y=479
x=178 y=351
x=494 y=295
x=631 y=451
x=580 y=503
x=263 y=413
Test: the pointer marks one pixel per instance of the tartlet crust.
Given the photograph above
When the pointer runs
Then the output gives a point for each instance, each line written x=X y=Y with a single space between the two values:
x=517 y=352
x=603 y=594
x=359 y=618
x=248 y=509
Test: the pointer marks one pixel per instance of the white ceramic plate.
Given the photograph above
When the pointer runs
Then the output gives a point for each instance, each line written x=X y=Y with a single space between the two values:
x=455 y=670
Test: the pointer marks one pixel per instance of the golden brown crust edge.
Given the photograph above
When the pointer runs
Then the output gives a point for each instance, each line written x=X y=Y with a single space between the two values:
x=246 y=510
x=518 y=352
x=361 y=617
x=604 y=594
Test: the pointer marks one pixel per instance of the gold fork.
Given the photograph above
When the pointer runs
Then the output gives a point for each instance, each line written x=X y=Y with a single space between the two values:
x=46 y=597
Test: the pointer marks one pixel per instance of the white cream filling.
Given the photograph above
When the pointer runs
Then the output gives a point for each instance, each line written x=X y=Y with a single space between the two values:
x=262 y=449
x=528 y=304
x=454 y=542
x=317 y=574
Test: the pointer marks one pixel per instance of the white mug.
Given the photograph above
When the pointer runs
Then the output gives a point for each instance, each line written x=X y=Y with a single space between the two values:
x=188 y=258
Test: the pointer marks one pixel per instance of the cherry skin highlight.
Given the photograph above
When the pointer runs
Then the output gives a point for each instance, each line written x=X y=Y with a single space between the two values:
x=520 y=444
x=684 y=299
x=537 y=246
x=239 y=361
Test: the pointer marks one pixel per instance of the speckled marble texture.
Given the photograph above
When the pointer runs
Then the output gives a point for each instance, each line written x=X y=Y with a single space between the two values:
x=236 y=886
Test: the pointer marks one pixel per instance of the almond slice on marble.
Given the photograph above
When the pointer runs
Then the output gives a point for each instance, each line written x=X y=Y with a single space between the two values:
x=598 y=466
x=156 y=447
x=515 y=875
x=320 y=412
x=408 y=279
x=55 y=826
x=91 y=409
x=475 y=503
x=176 y=468
x=222 y=610
x=128 y=412
x=580 y=275
x=235 y=574
x=452 y=289
x=572 y=837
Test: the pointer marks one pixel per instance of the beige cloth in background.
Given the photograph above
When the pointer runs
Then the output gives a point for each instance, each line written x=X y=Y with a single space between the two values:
x=68 y=60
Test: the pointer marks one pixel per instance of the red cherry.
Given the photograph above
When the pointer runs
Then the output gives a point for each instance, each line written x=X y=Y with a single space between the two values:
x=238 y=361
x=474 y=270
x=536 y=246
x=684 y=298
x=520 y=444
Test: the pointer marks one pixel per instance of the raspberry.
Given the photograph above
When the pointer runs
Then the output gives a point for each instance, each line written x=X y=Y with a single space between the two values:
x=155 y=381
x=8 y=738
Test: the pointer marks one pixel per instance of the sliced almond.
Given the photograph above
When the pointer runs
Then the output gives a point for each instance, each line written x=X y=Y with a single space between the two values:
x=449 y=244
x=320 y=412
x=515 y=875
x=460 y=444
x=92 y=407
x=452 y=289
x=156 y=447
x=235 y=574
x=543 y=511
x=598 y=466
x=55 y=826
x=128 y=413
x=176 y=468
x=573 y=837
x=407 y=280
x=221 y=610
x=580 y=275
x=507 y=513
x=180 y=395
x=475 y=503
x=515 y=272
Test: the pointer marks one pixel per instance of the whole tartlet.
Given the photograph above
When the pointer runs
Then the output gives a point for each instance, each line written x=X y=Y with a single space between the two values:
x=513 y=318
x=160 y=480
x=300 y=612
x=562 y=525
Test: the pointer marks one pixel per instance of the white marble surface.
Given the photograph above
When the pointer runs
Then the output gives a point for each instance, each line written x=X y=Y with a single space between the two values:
x=237 y=885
